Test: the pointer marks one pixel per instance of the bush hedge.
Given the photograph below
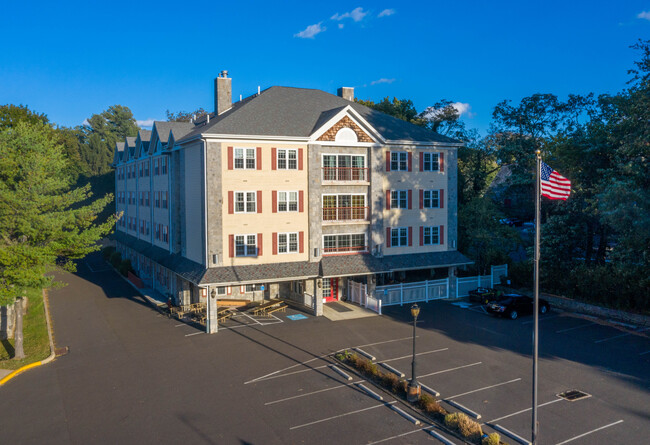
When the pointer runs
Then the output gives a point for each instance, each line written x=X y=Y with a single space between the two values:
x=125 y=267
x=116 y=259
x=465 y=426
x=107 y=252
x=492 y=439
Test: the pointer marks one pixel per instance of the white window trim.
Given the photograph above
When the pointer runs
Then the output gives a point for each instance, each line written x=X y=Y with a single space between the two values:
x=392 y=195
x=254 y=192
x=287 y=150
x=424 y=199
x=424 y=162
x=423 y=236
x=362 y=155
x=399 y=153
x=289 y=243
x=246 y=253
x=288 y=201
x=365 y=242
x=399 y=244
x=234 y=158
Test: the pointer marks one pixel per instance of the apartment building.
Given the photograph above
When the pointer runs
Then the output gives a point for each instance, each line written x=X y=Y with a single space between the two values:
x=289 y=193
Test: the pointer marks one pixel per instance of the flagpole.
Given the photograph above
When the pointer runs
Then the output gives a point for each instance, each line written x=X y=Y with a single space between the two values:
x=536 y=302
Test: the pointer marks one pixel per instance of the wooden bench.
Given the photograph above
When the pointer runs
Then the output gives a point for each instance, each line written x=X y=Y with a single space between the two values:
x=181 y=311
x=264 y=308
x=233 y=303
x=282 y=307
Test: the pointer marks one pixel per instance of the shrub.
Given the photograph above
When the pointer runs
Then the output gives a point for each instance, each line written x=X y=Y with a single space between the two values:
x=464 y=425
x=125 y=267
x=492 y=439
x=116 y=259
x=107 y=252
x=430 y=405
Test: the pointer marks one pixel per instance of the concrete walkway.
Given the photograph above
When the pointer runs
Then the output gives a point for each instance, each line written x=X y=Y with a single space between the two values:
x=349 y=311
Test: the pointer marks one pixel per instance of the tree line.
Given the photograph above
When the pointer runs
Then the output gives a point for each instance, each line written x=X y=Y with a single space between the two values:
x=596 y=245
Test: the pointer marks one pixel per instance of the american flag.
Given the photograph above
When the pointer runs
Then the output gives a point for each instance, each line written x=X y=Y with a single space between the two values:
x=554 y=185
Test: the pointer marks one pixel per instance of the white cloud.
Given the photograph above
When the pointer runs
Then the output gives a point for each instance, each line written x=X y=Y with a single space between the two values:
x=461 y=108
x=644 y=15
x=145 y=123
x=310 y=31
x=386 y=13
x=357 y=14
x=341 y=25
x=382 y=80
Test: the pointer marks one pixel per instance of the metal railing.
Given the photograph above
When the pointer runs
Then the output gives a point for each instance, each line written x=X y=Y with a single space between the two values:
x=345 y=213
x=345 y=174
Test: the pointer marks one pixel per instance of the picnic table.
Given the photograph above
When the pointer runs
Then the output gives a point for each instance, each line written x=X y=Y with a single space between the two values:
x=269 y=307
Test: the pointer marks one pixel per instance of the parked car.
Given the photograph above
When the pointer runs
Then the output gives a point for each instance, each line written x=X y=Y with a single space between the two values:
x=514 y=305
x=483 y=295
x=512 y=222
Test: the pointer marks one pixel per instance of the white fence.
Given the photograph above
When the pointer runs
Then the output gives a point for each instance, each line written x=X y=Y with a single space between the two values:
x=357 y=292
x=373 y=304
x=466 y=284
x=412 y=292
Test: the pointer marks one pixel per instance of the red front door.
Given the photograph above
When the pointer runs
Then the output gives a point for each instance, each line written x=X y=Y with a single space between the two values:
x=330 y=289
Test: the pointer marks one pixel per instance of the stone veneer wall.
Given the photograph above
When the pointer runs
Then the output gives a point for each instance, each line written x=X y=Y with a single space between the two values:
x=451 y=169
x=215 y=204
x=346 y=122
x=314 y=200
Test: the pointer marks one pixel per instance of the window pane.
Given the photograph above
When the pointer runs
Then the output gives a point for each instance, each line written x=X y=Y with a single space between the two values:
x=329 y=243
x=282 y=159
x=293 y=201
x=434 y=236
x=394 y=199
x=250 y=158
x=358 y=241
x=402 y=161
x=250 y=202
x=239 y=202
x=282 y=242
x=239 y=158
x=240 y=248
x=329 y=168
x=394 y=237
x=293 y=163
x=402 y=199
x=282 y=201
x=394 y=160
x=403 y=236
x=293 y=242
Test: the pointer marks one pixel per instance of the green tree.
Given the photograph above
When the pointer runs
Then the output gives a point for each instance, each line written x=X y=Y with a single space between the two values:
x=42 y=223
x=10 y=115
x=399 y=108
x=184 y=116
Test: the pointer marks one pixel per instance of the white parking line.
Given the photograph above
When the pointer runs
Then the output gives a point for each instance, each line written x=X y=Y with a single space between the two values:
x=195 y=333
x=289 y=374
x=644 y=353
x=399 y=435
x=481 y=389
x=411 y=355
x=311 y=393
x=574 y=328
x=612 y=338
x=589 y=432
x=541 y=318
x=323 y=356
x=448 y=370
x=523 y=411
x=341 y=415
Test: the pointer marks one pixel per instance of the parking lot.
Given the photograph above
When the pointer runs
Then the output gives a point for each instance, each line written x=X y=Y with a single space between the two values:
x=492 y=380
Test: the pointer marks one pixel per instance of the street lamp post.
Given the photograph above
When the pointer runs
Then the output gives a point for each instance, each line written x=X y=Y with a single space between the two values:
x=413 y=390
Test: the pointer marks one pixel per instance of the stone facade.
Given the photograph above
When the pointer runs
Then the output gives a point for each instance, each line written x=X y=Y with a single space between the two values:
x=345 y=122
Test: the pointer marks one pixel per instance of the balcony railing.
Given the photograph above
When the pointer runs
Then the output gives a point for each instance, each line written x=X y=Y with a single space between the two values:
x=343 y=249
x=345 y=174
x=345 y=213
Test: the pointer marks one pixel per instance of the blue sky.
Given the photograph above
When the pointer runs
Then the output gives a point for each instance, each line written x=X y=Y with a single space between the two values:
x=72 y=59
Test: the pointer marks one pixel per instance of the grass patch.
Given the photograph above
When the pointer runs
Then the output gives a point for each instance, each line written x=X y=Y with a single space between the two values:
x=36 y=341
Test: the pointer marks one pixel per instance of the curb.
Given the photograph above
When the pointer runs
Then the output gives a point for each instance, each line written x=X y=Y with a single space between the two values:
x=45 y=361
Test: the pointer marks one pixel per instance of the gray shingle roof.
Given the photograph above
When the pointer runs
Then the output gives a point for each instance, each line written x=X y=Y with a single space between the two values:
x=337 y=266
x=346 y=265
x=163 y=128
x=298 y=112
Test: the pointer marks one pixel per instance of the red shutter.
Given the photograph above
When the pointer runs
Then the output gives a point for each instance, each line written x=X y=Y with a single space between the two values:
x=273 y=158
x=300 y=159
x=421 y=236
x=274 y=195
x=231 y=245
x=388 y=161
x=410 y=236
x=410 y=199
x=442 y=234
x=442 y=161
x=275 y=243
x=230 y=158
x=387 y=236
x=301 y=199
x=421 y=161
x=442 y=198
x=387 y=199
x=259 y=158
x=259 y=201
x=259 y=244
x=231 y=203
x=421 y=199
x=410 y=158
x=301 y=241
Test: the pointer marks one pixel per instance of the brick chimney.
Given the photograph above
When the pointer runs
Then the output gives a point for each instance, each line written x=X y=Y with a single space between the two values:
x=346 y=93
x=222 y=92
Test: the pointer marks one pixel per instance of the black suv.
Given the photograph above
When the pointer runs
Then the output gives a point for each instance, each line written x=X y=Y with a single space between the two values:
x=514 y=305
